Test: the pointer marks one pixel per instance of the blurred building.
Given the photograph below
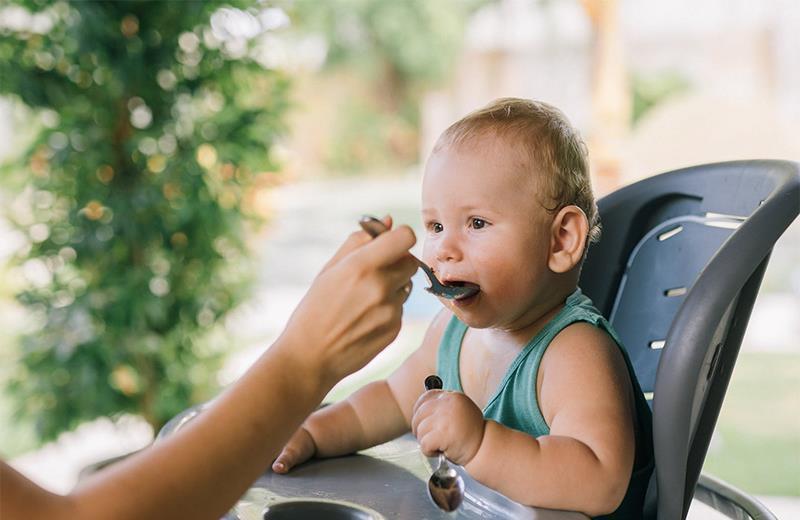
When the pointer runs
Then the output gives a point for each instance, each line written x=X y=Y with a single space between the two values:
x=739 y=60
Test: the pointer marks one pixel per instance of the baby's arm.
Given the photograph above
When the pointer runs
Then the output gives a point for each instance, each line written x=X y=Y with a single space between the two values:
x=585 y=463
x=377 y=413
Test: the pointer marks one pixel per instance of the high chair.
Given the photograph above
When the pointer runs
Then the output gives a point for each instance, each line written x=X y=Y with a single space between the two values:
x=676 y=272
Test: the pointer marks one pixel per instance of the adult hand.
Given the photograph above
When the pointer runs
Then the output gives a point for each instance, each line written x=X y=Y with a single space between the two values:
x=448 y=422
x=354 y=307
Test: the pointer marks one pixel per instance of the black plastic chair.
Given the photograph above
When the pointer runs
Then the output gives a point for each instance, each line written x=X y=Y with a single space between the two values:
x=676 y=272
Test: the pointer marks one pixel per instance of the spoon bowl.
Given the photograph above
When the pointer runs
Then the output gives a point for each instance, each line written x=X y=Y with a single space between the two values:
x=446 y=487
x=375 y=227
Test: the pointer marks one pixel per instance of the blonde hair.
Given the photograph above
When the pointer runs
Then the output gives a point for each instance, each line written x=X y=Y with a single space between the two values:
x=551 y=142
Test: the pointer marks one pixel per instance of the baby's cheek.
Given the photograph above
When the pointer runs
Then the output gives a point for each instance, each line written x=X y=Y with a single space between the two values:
x=428 y=254
x=496 y=270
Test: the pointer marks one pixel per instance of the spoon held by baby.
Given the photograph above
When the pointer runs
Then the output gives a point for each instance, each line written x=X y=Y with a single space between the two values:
x=445 y=487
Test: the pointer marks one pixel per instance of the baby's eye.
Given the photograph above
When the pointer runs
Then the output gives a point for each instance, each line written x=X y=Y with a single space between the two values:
x=436 y=227
x=477 y=223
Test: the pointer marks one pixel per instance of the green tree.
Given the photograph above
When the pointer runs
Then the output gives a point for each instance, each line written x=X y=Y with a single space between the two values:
x=153 y=123
x=648 y=91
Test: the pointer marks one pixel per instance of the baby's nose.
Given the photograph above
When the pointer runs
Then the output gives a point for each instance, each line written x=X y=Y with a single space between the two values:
x=448 y=250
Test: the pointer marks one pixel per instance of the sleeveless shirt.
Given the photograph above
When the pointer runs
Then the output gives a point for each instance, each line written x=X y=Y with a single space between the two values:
x=515 y=404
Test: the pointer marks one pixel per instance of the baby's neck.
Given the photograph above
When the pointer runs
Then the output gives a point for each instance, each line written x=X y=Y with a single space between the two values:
x=528 y=324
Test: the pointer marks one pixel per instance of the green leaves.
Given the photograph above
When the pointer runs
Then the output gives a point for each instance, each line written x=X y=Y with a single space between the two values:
x=153 y=132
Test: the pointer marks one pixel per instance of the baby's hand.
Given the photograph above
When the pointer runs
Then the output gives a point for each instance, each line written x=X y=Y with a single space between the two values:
x=448 y=422
x=299 y=449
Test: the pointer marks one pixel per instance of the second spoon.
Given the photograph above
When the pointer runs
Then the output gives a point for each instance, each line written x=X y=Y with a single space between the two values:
x=445 y=487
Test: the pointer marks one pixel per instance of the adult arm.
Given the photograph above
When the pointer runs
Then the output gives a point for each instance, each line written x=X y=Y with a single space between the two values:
x=350 y=313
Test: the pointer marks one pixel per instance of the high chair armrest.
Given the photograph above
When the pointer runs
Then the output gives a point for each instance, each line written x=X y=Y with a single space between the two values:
x=730 y=501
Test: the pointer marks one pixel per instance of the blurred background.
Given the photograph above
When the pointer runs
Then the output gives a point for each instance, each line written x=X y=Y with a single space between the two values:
x=173 y=175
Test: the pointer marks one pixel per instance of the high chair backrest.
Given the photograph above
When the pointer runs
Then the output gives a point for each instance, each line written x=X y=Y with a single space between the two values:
x=677 y=271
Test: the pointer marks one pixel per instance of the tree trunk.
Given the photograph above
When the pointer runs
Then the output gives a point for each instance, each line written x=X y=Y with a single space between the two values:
x=611 y=97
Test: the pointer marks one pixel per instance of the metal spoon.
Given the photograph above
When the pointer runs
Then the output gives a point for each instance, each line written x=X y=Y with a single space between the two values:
x=375 y=227
x=445 y=487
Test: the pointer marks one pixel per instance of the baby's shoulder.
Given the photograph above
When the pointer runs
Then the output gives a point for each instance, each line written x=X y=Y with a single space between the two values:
x=583 y=344
x=437 y=328
x=583 y=331
x=582 y=360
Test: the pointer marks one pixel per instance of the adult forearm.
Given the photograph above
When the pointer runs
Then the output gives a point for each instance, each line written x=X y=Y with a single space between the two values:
x=204 y=468
x=552 y=471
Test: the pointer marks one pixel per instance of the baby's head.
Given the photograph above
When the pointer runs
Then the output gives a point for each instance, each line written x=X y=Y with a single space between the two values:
x=550 y=150
x=508 y=205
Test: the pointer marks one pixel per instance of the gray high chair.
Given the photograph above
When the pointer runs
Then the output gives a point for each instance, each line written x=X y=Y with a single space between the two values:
x=676 y=272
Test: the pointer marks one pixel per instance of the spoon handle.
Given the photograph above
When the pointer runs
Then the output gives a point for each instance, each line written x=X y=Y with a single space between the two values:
x=372 y=225
x=433 y=382
x=445 y=487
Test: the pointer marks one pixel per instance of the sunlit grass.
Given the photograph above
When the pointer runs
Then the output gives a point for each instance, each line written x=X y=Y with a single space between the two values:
x=757 y=438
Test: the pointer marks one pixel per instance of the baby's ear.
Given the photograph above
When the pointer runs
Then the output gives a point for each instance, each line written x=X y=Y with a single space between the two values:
x=568 y=235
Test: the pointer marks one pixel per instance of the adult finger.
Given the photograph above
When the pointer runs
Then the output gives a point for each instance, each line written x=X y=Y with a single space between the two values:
x=355 y=240
x=405 y=291
x=398 y=275
x=387 y=248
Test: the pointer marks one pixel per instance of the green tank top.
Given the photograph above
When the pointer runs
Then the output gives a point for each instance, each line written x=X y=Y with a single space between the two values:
x=515 y=404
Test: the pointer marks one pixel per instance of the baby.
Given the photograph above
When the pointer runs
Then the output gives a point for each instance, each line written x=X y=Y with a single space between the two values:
x=540 y=401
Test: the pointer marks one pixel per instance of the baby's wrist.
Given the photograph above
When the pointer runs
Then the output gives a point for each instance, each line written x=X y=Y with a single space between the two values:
x=310 y=438
x=483 y=454
x=482 y=434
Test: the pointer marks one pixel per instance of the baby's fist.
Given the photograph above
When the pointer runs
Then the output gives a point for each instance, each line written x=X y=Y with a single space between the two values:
x=448 y=422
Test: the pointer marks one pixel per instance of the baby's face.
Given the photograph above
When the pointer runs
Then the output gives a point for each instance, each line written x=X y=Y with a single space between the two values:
x=485 y=224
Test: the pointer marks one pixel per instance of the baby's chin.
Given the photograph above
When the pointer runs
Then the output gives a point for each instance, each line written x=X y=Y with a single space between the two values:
x=472 y=318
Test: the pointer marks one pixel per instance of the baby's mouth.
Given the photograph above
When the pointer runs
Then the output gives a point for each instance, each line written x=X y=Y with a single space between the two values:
x=472 y=288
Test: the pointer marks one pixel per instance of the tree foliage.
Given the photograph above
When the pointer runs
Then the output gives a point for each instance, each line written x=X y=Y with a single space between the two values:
x=152 y=127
